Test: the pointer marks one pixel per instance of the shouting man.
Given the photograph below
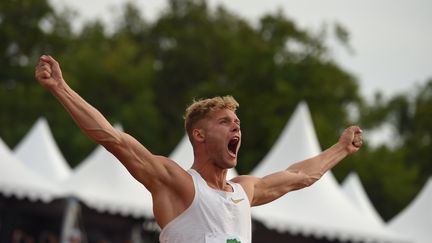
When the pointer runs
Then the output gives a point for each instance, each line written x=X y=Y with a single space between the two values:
x=198 y=205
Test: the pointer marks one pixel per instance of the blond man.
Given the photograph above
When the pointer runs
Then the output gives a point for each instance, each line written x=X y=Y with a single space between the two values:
x=198 y=205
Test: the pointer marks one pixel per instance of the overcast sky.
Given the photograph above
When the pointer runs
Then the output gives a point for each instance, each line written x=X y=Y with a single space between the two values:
x=392 y=39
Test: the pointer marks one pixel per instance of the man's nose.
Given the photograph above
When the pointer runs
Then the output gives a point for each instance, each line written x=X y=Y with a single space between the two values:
x=236 y=127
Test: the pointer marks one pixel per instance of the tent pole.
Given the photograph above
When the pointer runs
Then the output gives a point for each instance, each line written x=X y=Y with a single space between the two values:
x=69 y=225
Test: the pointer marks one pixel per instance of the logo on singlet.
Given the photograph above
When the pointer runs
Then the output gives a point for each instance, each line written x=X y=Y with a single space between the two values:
x=236 y=201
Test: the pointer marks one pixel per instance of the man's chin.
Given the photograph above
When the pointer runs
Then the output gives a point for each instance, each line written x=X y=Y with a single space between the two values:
x=232 y=164
x=227 y=165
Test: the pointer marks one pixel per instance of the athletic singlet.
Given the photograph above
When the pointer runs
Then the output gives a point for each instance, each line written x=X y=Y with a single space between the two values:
x=213 y=217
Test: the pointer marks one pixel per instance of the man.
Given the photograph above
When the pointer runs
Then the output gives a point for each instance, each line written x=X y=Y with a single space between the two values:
x=198 y=205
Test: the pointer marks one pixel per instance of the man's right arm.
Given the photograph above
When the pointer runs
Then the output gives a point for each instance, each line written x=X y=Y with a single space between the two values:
x=149 y=169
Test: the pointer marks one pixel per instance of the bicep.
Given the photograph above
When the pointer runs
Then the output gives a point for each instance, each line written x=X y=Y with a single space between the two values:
x=171 y=186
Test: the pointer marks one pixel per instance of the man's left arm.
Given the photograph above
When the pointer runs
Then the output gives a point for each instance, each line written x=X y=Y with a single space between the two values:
x=301 y=174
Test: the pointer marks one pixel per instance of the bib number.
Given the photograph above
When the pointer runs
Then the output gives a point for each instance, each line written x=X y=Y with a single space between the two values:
x=222 y=238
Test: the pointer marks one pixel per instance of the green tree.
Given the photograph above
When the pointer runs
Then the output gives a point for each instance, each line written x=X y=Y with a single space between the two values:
x=25 y=28
x=394 y=174
x=112 y=72
x=418 y=138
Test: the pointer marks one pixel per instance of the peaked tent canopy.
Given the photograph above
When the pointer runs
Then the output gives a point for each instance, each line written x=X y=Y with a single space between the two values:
x=39 y=151
x=321 y=210
x=353 y=188
x=416 y=219
x=104 y=184
x=19 y=181
x=183 y=155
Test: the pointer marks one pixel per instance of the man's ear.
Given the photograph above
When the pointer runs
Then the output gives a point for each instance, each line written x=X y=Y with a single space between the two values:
x=198 y=134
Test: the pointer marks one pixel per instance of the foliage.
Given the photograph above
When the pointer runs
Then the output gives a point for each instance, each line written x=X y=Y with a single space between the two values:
x=407 y=165
x=21 y=41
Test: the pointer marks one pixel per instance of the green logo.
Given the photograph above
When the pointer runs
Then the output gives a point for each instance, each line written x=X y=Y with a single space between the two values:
x=233 y=241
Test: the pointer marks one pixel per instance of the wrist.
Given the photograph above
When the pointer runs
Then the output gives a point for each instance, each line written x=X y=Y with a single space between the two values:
x=58 y=88
x=342 y=149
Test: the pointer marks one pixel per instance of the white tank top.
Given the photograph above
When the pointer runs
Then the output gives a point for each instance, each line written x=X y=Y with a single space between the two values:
x=213 y=217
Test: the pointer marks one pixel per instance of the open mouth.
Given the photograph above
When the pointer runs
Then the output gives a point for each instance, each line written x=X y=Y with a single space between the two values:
x=233 y=144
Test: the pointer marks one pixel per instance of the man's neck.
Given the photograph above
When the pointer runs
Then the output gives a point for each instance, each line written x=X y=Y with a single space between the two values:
x=214 y=176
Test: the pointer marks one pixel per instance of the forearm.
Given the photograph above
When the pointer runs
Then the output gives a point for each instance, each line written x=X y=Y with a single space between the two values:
x=90 y=120
x=307 y=172
x=297 y=176
x=315 y=167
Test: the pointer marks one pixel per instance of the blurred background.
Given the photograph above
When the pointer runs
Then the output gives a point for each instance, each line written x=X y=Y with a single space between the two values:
x=142 y=62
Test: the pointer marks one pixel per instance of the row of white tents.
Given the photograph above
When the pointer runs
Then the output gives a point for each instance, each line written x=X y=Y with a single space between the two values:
x=36 y=170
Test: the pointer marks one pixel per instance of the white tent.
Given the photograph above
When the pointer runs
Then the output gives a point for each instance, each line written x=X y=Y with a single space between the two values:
x=104 y=184
x=19 y=181
x=183 y=155
x=353 y=188
x=321 y=210
x=39 y=151
x=416 y=219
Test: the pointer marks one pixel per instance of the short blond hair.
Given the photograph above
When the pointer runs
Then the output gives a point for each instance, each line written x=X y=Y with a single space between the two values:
x=199 y=109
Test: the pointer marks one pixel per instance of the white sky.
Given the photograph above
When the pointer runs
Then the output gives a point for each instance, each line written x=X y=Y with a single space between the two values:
x=392 y=39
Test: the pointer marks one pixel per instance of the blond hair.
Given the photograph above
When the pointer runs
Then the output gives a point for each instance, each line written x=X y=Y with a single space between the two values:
x=199 y=109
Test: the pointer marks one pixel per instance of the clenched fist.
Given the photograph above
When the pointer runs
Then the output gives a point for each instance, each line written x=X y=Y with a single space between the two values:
x=351 y=138
x=48 y=72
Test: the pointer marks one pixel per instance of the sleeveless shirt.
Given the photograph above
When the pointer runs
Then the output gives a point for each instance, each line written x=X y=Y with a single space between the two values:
x=213 y=217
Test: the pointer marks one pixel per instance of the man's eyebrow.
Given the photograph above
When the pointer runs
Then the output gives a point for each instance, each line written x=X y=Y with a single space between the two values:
x=227 y=118
x=223 y=118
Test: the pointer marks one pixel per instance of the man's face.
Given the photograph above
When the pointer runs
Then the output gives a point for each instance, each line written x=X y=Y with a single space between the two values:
x=222 y=137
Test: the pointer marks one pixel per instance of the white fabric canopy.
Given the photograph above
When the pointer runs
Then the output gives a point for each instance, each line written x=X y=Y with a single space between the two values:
x=39 y=151
x=104 y=184
x=416 y=219
x=321 y=210
x=353 y=188
x=19 y=181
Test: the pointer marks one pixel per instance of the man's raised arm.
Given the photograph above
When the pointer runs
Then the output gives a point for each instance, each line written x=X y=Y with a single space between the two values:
x=305 y=173
x=141 y=163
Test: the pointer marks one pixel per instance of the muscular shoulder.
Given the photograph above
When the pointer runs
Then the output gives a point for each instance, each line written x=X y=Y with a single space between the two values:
x=245 y=179
x=171 y=175
x=248 y=183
